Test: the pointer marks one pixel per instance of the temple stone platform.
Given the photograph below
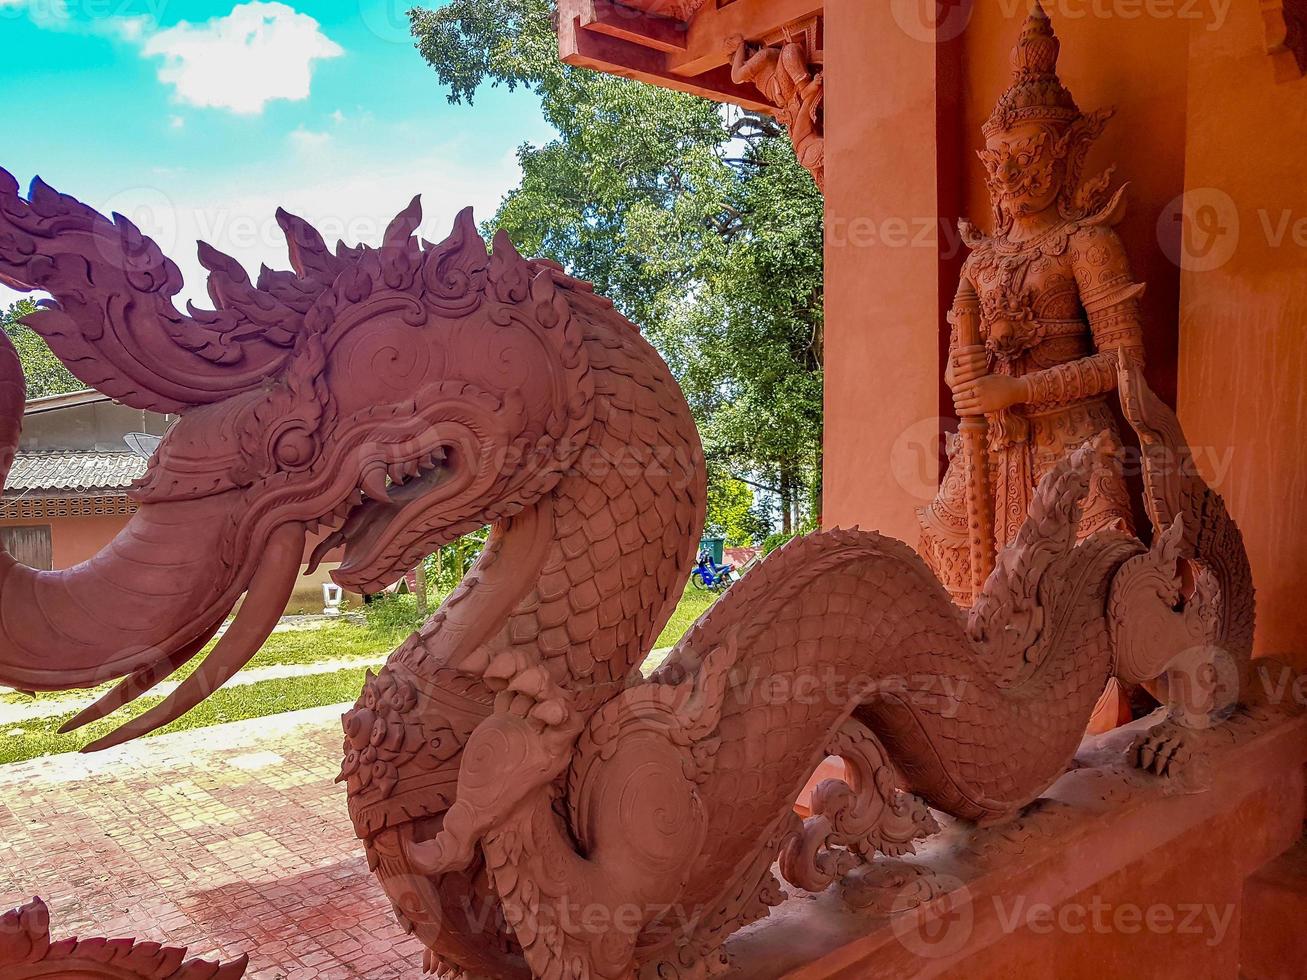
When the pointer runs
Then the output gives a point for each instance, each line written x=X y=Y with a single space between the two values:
x=234 y=839
x=1201 y=875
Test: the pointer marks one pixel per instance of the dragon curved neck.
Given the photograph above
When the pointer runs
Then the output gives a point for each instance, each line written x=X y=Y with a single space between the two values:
x=583 y=580
x=836 y=624
x=589 y=574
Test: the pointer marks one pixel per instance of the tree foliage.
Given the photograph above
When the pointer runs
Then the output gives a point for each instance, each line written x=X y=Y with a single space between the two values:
x=45 y=373
x=695 y=220
x=732 y=512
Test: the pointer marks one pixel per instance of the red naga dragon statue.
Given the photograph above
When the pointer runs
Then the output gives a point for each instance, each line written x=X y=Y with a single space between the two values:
x=532 y=804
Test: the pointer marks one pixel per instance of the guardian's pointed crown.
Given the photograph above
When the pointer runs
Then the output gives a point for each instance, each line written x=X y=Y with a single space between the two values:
x=1036 y=93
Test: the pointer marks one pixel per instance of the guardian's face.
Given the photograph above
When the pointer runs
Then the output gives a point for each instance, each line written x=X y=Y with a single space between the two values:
x=1023 y=169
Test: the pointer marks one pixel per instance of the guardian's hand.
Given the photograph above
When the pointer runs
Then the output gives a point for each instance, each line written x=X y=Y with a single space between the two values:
x=964 y=366
x=989 y=394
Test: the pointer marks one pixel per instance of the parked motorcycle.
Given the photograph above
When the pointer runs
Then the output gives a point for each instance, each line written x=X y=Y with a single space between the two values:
x=708 y=576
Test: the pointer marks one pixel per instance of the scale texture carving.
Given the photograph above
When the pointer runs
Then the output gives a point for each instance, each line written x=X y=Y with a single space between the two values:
x=28 y=953
x=532 y=805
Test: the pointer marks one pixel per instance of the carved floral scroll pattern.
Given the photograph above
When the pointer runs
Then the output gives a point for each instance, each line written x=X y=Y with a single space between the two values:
x=854 y=820
x=511 y=758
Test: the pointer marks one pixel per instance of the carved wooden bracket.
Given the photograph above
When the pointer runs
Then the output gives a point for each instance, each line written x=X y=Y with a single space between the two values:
x=1286 y=37
x=681 y=10
x=786 y=67
x=518 y=784
x=676 y=44
x=764 y=58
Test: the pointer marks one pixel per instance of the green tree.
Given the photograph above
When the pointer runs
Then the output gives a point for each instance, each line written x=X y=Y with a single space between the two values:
x=732 y=512
x=695 y=220
x=45 y=373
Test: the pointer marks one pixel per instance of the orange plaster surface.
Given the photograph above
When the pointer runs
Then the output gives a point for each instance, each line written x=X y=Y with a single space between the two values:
x=1150 y=885
x=1243 y=324
x=902 y=131
x=75 y=539
x=1200 y=113
x=1274 y=945
x=1207 y=126
x=883 y=273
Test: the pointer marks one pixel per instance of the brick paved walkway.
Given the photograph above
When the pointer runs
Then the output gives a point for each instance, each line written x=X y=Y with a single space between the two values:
x=228 y=840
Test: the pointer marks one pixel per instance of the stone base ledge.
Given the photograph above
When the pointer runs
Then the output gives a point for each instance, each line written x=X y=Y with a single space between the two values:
x=1111 y=869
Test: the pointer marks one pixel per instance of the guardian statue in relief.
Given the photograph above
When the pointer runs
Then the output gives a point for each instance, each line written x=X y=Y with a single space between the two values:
x=532 y=803
x=1057 y=312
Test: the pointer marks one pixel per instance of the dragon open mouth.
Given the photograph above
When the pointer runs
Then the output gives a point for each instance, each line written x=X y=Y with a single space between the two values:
x=385 y=502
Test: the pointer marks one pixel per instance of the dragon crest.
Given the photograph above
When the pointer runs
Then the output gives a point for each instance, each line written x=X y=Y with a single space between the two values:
x=532 y=804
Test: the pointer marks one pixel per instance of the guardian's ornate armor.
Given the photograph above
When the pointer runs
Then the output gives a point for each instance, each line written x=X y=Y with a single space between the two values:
x=1058 y=310
x=533 y=805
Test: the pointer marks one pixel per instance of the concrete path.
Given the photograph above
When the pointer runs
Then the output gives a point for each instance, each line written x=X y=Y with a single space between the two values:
x=231 y=839
x=14 y=713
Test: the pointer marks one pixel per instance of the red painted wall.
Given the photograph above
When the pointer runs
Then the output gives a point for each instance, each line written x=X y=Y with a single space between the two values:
x=75 y=539
x=1204 y=129
x=884 y=276
x=902 y=130
x=1243 y=306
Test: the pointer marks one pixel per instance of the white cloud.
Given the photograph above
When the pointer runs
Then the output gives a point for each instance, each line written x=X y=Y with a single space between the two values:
x=354 y=202
x=255 y=54
x=8 y=297
x=305 y=140
x=131 y=28
x=177 y=122
x=128 y=20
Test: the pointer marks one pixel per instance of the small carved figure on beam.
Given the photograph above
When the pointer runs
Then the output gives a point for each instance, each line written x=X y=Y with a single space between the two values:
x=531 y=803
x=784 y=75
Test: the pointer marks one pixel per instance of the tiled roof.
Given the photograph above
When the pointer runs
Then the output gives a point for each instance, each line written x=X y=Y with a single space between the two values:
x=73 y=471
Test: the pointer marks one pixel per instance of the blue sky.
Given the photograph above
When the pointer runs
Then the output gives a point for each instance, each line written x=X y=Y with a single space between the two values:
x=198 y=118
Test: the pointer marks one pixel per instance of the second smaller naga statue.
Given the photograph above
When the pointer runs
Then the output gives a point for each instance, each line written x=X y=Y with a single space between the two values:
x=1046 y=315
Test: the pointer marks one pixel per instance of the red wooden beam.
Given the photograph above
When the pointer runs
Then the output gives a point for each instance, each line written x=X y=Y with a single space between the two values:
x=585 y=48
x=754 y=19
x=627 y=24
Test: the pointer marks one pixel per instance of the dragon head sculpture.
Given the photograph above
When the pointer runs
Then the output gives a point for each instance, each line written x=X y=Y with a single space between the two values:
x=511 y=759
x=383 y=400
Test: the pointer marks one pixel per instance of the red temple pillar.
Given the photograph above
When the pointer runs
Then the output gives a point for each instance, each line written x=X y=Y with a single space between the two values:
x=894 y=179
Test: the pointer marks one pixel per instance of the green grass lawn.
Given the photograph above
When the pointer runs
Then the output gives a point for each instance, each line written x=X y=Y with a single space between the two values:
x=40 y=737
x=693 y=604
x=334 y=641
